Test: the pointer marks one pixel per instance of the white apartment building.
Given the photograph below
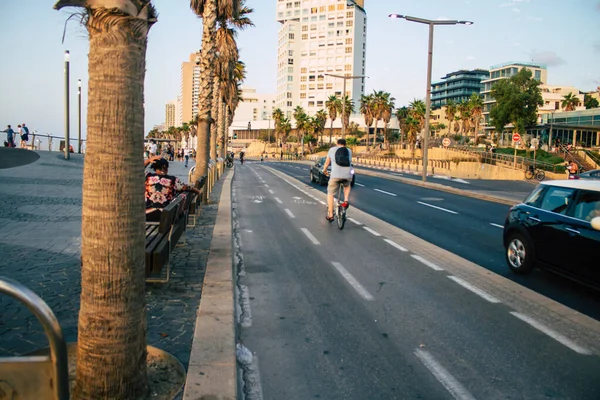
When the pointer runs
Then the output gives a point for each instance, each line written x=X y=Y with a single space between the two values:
x=171 y=114
x=256 y=109
x=319 y=37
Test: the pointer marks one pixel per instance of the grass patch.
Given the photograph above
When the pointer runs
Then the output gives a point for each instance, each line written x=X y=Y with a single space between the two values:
x=540 y=155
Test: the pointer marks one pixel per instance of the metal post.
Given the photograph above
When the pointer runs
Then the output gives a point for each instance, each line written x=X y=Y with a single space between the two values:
x=79 y=115
x=427 y=103
x=344 y=112
x=67 y=115
x=550 y=136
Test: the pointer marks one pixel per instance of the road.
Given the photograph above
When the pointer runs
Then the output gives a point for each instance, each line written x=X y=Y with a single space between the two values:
x=465 y=226
x=371 y=313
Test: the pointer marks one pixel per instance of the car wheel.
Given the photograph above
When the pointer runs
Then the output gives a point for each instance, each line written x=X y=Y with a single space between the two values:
x=312 y=177
x=519 y=254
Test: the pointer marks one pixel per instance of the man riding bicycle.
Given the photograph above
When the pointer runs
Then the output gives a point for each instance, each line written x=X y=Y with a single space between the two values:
x=340 y=158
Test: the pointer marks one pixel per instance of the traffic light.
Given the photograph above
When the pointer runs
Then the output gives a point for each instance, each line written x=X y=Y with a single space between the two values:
x=235 y=135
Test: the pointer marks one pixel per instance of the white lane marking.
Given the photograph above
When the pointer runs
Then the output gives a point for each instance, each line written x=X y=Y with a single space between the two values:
x=322 y=202
x=497 y=226
x=277 y=200
x=553 y=334
x=310 y=236
x=460 y=180
x=266 y=185
x=355 y=221
x=358 y=184
x=290 y=213
x=396 y=245
x=272 y=192
x=474 y=289
x=384 y=192
x=352 y=281
x=426 y=262
x=371 y=231
x=436 y=207
x=443 y=376
x=397 y=174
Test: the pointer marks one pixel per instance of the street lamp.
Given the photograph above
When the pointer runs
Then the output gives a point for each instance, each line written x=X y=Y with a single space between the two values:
x=345 y=78
x=67 y=116
x=431 y=24
x=79 y=115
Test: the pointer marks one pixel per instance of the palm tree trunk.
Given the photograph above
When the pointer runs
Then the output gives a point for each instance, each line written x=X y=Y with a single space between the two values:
x=209 y=19
x=215 y=114
x=331 y=132
x=223 y=129
x=111 y=351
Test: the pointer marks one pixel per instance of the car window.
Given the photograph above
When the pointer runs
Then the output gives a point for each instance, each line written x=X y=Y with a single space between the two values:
x=534 y=197
x=587 y=206
x=557 y=199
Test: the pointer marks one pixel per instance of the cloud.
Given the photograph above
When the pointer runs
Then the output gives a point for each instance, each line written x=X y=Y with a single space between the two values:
x=549 y=58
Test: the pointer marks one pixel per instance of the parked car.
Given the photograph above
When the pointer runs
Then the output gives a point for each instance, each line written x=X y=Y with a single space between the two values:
x=593 y=174
x=557 y=227
x=317 y=175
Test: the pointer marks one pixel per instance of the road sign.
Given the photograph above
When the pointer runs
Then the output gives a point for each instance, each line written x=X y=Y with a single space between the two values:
x=516 y=137
x=446 y=142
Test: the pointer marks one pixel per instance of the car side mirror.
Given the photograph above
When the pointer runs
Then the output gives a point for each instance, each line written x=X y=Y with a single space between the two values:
x=595 y=223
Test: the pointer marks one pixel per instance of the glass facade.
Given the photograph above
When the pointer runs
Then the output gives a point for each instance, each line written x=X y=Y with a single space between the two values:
x=457 y=86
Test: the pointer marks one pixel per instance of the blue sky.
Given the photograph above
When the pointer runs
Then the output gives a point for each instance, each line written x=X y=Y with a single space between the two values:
x=564 y=34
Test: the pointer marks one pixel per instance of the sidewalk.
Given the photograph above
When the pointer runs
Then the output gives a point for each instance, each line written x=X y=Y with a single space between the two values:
x=40 y=239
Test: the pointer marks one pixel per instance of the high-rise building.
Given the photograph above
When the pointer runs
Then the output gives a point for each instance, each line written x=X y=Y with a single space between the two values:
x=505 y=71
x=170 y=114
x=457 y=86
x=190 y=88
x=319 y=37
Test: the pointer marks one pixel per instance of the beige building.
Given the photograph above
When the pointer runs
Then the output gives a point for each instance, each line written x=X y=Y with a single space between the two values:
x=553 y=96
x=190 y=88
x=170 y=114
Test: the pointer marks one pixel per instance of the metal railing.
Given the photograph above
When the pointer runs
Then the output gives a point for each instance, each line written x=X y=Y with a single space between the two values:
x=23 y=375
x=45 y=141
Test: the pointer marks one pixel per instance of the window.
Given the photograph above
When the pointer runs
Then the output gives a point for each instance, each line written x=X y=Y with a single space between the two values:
x=320 y=103
x=311 y=103
x=349 y=14
x=290 y=78
x=347 y=67
x=588 y=206
x=289 y=95
x=349 y=23
x=557 y=199
x=289 y=103
x=304 y=28
x=349 y=41
x=291 y=53
x=290 y=70
x=303 y=78
x=302 y=95
x=332 y=7
x=340 y=6
x=290 y=61
x=322 y=8
x=305 y=36
x=349 y=50
x=303 y=70
x=313 y=10
x=291 y=36
x=302 y=87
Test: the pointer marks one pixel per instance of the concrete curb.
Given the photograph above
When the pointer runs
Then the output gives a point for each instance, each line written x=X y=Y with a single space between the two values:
x=212 y=368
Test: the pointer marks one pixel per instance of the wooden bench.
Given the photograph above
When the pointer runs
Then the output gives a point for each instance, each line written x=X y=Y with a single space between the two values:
x=159 y=241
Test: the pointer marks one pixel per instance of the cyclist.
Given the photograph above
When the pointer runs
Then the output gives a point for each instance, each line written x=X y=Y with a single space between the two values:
x=340 y=158
x=242 y=156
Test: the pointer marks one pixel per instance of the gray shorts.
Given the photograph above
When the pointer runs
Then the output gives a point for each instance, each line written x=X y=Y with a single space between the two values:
x=334 y=183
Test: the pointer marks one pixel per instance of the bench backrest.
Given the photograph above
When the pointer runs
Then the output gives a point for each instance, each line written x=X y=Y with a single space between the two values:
x=167 y=217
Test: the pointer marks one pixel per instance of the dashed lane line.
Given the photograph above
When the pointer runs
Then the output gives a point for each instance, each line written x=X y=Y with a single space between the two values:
x=474 y=289
x=373 y=232
x=359 y=184
x=553 y=334
x=437 y=208
x=497 y=225
x=452 y=385
x=310 y=236
x=353 y=220
x=384 y=192
x=426 y=262
x=277 y=200
x=352 y=281
x=272 y=192
x=289 y=213
x=394 y=244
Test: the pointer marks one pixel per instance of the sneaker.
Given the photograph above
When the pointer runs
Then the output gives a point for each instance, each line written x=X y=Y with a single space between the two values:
x=345 y=204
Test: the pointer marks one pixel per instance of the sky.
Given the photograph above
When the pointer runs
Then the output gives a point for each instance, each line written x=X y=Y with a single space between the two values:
x=563 y=34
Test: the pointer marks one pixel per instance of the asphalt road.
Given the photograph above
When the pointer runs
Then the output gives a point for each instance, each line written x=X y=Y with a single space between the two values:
x=465 y=226
x=350 y=314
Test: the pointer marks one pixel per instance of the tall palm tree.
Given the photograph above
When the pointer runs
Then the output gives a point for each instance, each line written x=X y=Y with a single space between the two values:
x=387 y=107
x=450 y=113
x=366 y=109
x=320 y=120
x=232 y=95
x=570 y=102
x=333 y=106
x=111 y=349
x=402 y=114
x=465 y=116
x=210 y=11
x=278 y=117
x=417 y=111
x=476 y=108
x=302 y=121
x=348 y=109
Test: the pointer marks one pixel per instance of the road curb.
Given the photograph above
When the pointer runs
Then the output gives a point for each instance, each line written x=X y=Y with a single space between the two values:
x=212 y=368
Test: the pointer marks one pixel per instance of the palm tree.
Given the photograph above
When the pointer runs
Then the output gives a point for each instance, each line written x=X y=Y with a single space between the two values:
x=476 y=107
x=320 y=120
x=366 y=109
x=417 y=111
x=348 y=109
x=111 y=350
x=333 y=106
x=387 y=107
x=570 y=102
x=210 y=11
x=402 y=114
x=450 y=113
x=278 y=117
x=301 y=121
x=465 y=116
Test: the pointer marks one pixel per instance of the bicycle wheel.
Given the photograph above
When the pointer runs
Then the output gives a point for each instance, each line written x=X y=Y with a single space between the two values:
x=528 y=174
x=540 y=175
x=341 y=217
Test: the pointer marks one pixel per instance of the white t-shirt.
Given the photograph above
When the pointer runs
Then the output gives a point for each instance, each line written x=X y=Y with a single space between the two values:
x=186 y=152
x=153 y=148
x=336 y=170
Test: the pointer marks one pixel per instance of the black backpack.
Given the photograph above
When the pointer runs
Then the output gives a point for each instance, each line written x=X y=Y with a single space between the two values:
x=342 y=157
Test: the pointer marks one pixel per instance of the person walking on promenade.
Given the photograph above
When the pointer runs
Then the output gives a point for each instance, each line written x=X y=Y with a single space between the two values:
x=186 y=155
x=24 y=136
x=10 y=136
x=153 y=148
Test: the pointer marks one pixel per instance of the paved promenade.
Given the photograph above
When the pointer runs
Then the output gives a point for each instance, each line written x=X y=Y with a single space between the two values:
x=40 y=240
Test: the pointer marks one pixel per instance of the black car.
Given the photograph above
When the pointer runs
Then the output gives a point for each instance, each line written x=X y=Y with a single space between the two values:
x=317 y=175
x=557 y=227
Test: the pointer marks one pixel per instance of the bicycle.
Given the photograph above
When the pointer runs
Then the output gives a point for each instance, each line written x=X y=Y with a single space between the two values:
x=339 y=211
x=229 y=162
x=538 y=174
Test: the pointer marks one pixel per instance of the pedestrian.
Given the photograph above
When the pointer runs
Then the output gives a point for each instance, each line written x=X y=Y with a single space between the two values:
x=152 y=148
x=24 y=136
x=10 y=136
x=186 y=156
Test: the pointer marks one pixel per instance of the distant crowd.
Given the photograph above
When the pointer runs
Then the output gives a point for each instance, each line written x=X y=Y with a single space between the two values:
x=22 y=133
